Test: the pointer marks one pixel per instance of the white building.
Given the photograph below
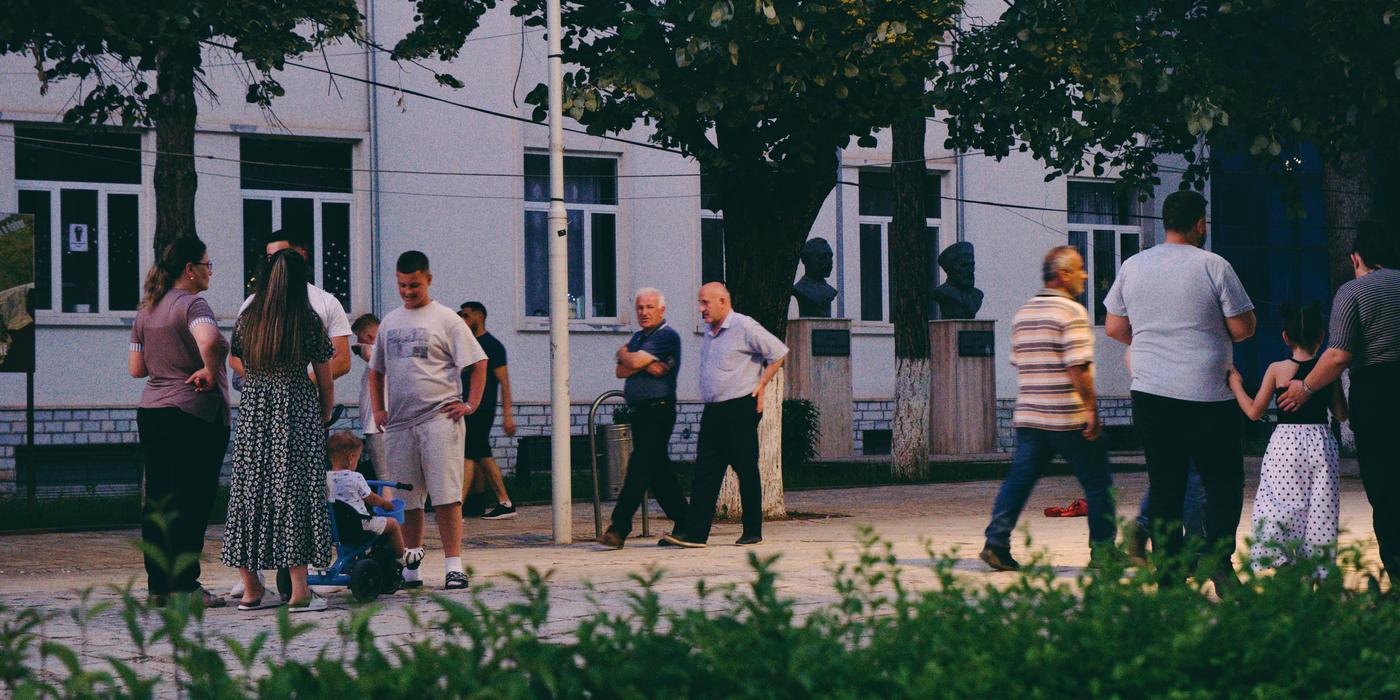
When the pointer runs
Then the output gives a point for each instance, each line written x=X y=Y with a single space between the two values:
x=461 y=186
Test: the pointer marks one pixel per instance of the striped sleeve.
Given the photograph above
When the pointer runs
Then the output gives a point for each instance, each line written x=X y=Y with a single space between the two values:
x=138 y=332
x=1076 y=337
x=199 y=313
x=1345 y=329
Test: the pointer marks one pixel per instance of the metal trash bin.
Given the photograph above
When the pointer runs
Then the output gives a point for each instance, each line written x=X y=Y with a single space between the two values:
x=615 y=450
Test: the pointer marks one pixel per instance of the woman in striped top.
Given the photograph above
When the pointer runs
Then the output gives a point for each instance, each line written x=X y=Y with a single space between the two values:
x=1365 y=337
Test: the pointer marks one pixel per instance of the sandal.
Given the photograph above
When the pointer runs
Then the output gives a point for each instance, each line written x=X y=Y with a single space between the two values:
x=456 y=581
x=313 y=604
x=263 y=602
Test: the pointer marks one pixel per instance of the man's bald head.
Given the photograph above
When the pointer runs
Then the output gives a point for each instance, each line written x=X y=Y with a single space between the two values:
x=714 y=303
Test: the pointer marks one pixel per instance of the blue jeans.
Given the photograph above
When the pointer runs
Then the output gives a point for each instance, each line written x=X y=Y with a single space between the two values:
x=1034 y=450
x=1193 y=510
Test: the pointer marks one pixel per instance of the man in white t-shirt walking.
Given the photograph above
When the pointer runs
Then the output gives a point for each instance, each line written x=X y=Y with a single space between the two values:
x=419 y=355
x=326 y=306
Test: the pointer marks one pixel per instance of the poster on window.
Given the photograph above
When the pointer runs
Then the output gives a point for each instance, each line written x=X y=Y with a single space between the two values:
x=16 y=292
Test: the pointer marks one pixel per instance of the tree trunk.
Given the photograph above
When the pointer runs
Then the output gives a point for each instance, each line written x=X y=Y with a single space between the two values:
x=174 y=112
x=770 y=459
x=1346 y=185
x=909 y=262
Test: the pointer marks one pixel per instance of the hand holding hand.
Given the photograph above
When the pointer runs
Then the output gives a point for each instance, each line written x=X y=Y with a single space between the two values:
x=1235 y=378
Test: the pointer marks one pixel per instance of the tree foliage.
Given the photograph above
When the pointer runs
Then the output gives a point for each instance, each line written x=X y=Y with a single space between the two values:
x=762 y=93
x=1086 y=86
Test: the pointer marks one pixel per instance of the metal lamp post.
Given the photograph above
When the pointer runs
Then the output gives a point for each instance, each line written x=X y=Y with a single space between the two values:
x=558 y=292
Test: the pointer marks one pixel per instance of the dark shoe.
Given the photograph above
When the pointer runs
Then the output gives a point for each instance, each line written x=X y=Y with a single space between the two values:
x=456 y=581
x=1108 y=557
x=500 y=512
x=677 y=541
x=999 y=558
x=1137 y=545
x=412 y=585
x=1226 y=582
x=209 y=599
x=612 y=540
x=748 y=540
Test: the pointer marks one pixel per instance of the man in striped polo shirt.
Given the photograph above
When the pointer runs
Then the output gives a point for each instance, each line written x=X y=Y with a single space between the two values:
x=1052 y=348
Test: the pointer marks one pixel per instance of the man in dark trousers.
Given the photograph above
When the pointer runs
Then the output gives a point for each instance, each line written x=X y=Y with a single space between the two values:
x=649 y=362
x=480 y=463
x=738 y=357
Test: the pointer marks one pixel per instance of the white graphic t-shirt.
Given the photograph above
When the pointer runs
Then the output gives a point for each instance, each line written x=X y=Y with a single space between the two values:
x=421 y=353
x=349 y=488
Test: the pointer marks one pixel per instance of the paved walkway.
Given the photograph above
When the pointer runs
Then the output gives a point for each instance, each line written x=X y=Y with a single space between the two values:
x=47 y=570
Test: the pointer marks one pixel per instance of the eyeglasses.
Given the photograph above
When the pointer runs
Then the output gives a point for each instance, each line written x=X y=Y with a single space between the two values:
x=208 y=264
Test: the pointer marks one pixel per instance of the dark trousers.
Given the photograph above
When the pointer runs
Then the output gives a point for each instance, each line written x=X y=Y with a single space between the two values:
x=728 y=438
x=1373 y=395
x=650 y=467
x=1034 y=450
x=1175 y=434
x=183 y=457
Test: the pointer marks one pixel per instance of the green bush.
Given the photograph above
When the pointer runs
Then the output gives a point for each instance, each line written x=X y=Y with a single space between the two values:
x=802 y=429
x=1043 y=636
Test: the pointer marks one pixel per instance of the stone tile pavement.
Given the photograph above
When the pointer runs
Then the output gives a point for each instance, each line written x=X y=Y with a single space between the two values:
x=47 y=570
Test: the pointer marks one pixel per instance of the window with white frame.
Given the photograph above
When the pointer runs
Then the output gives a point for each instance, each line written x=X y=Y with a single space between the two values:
x=1104 y=226
x=711 y=233
x=876 y=195
x=84 y=191
x=590 y=197
x=303 y=186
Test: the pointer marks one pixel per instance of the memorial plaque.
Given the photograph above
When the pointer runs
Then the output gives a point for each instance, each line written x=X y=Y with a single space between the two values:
x=975 y=343
x=831 y=342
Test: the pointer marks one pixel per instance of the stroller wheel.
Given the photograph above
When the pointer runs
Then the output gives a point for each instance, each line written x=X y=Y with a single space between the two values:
x=284 y=584
x=366 y=580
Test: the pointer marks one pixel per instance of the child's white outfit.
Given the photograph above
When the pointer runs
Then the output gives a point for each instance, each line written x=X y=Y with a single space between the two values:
x=1295 y=509
x=350 y=488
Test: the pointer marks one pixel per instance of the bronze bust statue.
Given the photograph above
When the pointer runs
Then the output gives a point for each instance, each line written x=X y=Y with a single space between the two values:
x=957 y=298
x=813 y=294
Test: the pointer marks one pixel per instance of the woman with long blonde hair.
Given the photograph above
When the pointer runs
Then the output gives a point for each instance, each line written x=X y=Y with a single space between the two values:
x=277 y=514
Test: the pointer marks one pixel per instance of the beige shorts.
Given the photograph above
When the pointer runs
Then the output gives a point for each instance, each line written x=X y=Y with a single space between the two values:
x=375 y=525
x=428 y=456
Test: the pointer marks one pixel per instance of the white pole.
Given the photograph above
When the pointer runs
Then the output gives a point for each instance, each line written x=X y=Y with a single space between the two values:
x=558 y=292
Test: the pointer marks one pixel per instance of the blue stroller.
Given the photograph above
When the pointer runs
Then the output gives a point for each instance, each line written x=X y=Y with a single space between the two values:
x=363 y=561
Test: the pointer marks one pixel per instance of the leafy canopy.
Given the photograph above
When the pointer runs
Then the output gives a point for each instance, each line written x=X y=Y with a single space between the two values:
x=113 y=46
x=1086 y=85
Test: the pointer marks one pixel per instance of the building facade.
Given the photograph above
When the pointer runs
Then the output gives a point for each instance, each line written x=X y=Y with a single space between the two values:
x=373 y=171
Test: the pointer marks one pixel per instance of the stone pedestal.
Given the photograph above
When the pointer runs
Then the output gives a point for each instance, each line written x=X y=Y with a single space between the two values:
x=818 y=369
x=962 y=404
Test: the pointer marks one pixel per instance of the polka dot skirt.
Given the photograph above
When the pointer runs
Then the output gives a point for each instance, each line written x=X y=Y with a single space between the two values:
x=1295 y=510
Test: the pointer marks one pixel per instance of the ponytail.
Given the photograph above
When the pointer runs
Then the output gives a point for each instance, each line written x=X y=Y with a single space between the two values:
x=182 y=251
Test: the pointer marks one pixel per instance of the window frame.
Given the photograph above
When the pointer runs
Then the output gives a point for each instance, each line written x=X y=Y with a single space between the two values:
x=319 y=249
x=103 y=189
x=884 y=222
x=619 y=319
x=1118 y=230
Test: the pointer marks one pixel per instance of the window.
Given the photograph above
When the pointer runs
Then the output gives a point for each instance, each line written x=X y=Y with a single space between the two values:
x=84 y=190
x=711 y=233
x=303 y=186
x=590 y=196
x=876 y=195
x=1106 y=230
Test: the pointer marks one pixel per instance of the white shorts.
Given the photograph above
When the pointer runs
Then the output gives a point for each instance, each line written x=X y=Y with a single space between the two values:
x=375 y=525
x=428 y=456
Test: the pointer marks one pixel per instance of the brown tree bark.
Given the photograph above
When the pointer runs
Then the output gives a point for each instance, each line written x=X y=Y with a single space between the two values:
x=1346 y=185
x=174 y=112
x=909 y=302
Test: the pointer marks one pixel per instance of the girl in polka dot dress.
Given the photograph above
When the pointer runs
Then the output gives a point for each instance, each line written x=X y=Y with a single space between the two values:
x=1295 y=509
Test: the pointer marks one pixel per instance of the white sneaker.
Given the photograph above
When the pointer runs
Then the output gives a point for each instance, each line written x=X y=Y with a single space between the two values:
x=237 y=590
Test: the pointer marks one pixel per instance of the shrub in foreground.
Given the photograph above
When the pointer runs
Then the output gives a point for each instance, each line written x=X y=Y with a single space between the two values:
x=1104 y=634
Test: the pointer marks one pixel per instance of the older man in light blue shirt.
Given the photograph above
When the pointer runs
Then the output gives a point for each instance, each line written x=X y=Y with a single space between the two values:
x=738 y=357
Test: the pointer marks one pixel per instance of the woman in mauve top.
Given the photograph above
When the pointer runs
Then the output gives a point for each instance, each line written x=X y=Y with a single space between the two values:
x=183 y=416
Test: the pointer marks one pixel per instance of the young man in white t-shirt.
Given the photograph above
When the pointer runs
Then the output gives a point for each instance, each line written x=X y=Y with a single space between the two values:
x=419 y=354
